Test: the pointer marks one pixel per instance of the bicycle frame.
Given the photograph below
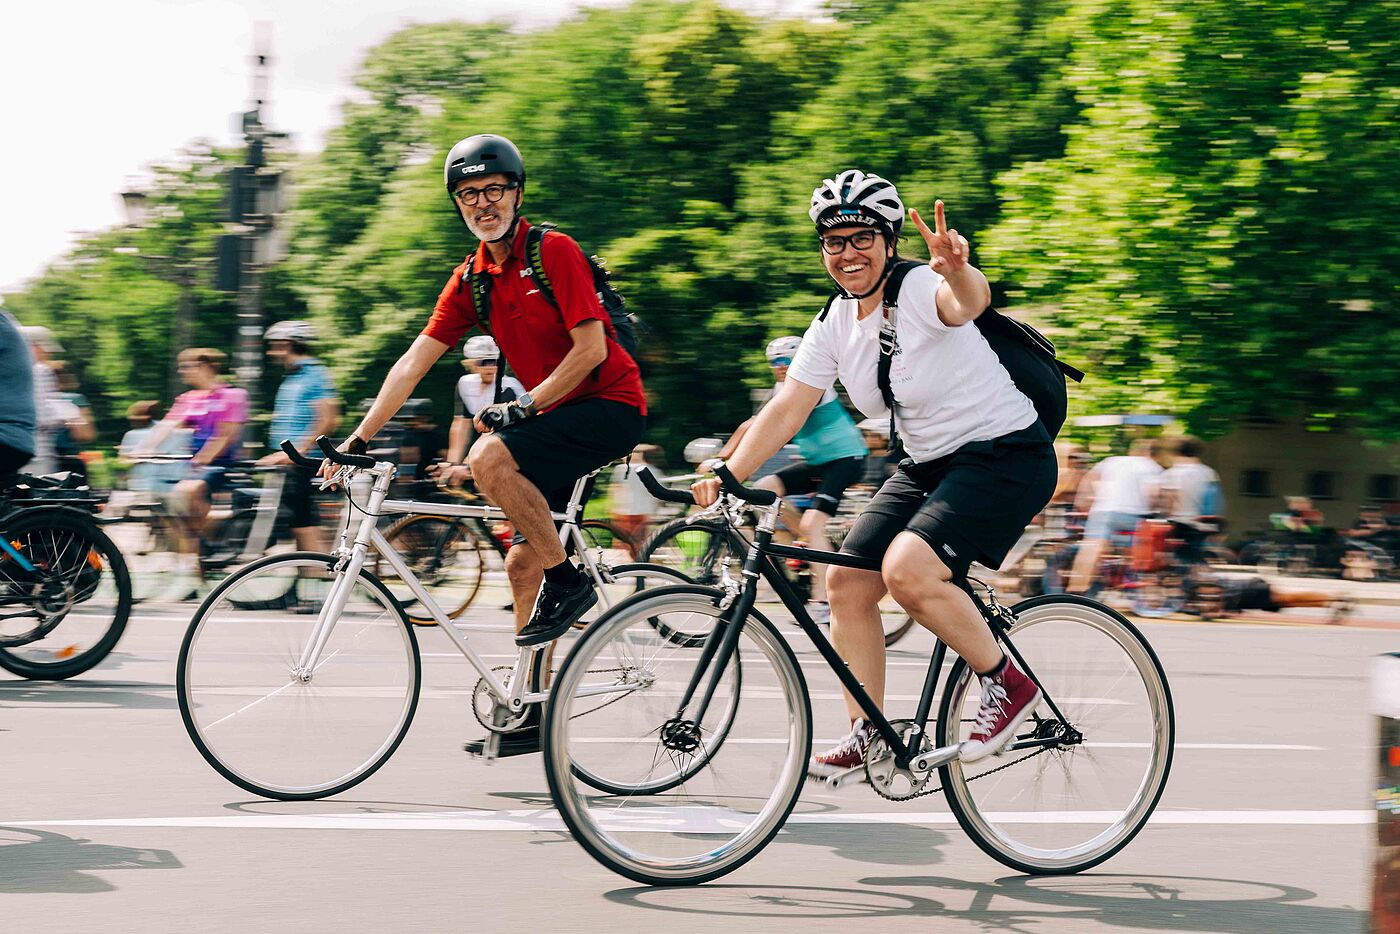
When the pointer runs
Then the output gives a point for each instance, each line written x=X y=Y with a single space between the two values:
x=759 y=562
x=351 y=553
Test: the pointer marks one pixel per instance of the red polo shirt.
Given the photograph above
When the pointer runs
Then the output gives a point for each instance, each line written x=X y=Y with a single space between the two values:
x=532 y=333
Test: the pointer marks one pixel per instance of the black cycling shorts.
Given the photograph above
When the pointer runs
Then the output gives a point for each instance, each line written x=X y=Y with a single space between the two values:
x=971 y=505
x=297 y=498
x=829 y=481
x=557 y=447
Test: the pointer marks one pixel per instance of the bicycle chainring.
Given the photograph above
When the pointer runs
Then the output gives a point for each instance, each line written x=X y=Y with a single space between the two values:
x=889 y=780
x=488 y=711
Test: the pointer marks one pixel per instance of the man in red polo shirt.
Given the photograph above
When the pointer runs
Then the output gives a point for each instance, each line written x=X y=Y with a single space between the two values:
x=584 y=406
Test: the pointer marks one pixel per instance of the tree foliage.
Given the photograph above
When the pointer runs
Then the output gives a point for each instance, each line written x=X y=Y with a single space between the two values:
x=1197 y=196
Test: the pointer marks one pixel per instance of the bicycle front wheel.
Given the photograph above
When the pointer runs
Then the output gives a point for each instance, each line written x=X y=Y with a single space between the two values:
x=1066 y=796
x=696 y=549
x=277 y=728
x=65 y=594
x=688 y=797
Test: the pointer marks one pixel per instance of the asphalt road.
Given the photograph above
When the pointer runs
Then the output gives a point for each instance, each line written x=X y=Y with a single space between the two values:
x=113 y=822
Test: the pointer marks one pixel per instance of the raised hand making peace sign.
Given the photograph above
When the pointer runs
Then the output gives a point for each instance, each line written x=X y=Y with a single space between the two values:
x=947 y=249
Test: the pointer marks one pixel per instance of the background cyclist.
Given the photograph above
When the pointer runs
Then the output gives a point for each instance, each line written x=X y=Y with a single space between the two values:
x=980 y=463
x=475 y=391
x=834 y=454
x=305 y=408
x=585 y=406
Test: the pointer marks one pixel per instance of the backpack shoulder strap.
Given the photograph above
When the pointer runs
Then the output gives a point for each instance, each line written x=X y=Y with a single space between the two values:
x=534 y=255
x=827 y=307
x=888 y=339
x=480 y=288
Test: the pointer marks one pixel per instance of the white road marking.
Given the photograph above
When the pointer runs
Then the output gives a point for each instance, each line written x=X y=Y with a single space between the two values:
x=688 y=820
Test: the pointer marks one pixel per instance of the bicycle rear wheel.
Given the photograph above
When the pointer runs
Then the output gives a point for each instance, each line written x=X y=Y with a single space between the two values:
x=445 y=555
x=1074 y=803
x=685 y=801
x=65 y=612
x=272 y=729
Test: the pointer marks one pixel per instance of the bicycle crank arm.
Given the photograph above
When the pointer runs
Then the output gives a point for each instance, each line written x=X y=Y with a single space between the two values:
x=935 y=758
x=851 y=776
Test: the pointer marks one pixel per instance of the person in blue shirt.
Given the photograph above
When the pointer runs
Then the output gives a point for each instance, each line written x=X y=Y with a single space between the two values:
x=305 y=408
x=833 y=459
x=17 y=415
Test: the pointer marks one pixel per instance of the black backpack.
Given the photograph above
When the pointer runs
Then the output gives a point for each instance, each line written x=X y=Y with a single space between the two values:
x=1028 y=357
x=624 y=323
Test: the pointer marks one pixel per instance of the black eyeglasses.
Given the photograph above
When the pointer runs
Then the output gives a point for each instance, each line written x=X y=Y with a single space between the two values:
x=835 y=244
x=493 y=193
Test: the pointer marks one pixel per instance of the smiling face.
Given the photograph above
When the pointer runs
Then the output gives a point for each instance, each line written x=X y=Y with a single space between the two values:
x=854 y=269
x=487 y=221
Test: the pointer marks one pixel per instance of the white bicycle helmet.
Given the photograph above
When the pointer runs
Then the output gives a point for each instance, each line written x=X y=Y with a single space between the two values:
x=300 y=332
x=854 y=197
x=781 y=347
x=481 y=347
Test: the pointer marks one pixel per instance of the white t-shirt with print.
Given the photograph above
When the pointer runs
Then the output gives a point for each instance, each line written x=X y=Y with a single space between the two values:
x=475 y=396
x=948 y=383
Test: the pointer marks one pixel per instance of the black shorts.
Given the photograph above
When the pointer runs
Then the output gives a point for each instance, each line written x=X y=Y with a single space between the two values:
x=297 y=498
x=1250 y=593
x=971 y=505
x=554 y=449
x=829 y=481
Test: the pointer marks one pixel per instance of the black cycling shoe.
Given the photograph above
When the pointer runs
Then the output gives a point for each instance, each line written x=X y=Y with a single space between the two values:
x=556 y=611
x=519 y=742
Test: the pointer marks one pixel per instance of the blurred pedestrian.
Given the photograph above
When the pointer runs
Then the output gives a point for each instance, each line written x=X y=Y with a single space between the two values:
x=50 y=413
x=18 y=422
x=1189 y=495
x=1117 y=494
x=306 y=407
x=78 y=429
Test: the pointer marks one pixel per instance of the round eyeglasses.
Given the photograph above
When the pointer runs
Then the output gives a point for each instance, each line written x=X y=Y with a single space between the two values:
x=493 y=193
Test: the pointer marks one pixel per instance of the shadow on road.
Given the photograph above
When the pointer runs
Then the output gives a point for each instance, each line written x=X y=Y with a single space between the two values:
x=41 y=861
x=130 y=695
x=1166 y=903
x=1021 y=903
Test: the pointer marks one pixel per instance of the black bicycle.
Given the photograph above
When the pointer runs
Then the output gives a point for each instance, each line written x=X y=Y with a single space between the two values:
x=731 y=712
x=65 y=593
x=700 y=546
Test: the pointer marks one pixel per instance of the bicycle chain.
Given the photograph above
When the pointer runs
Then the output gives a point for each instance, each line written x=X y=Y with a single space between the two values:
x=974 y=778
x=480 y=688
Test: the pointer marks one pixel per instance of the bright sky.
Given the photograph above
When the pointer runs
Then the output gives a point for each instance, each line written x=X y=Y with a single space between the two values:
x=96 y=89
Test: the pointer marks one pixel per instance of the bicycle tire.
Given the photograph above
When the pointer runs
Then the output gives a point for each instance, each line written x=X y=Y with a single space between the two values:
x=439 y=534
x=559 y=767
x=978 y=824
x=709 y=543
x=188 y=705
x=600 y=533
x=82 y=531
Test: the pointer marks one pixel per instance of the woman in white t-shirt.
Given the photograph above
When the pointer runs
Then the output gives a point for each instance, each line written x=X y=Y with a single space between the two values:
x=980 y=463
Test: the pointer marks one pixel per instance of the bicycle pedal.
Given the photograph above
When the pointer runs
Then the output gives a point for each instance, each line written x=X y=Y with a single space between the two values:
x=843 y=779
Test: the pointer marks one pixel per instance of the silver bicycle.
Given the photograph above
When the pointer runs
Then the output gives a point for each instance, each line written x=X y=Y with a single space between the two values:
x=300 y=674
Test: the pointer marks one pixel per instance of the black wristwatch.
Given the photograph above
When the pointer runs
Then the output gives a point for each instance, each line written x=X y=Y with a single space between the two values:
x=357 y=445
x=528 y=404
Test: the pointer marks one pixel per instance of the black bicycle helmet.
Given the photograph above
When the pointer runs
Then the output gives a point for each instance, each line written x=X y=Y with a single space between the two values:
x=483 y=154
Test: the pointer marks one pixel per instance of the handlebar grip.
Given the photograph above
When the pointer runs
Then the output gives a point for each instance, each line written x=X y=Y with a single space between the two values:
x=493 y=419
x=297 y=457
x=655 y=488
x=734 y=488
x=345 y=460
